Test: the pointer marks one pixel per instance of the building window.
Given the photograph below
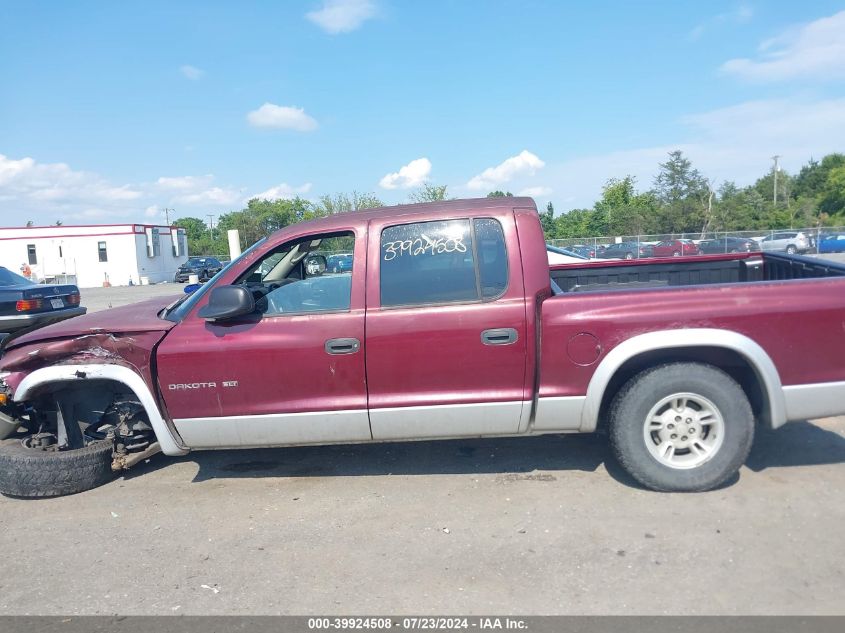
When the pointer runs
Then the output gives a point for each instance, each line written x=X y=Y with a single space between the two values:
x=178 y=241
x=153 y=243
x=30 y=253
x=101 y=250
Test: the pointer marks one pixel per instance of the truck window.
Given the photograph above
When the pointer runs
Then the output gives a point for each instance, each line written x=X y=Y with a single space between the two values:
x=492 y=257
x=452 y=261
x=294 y=279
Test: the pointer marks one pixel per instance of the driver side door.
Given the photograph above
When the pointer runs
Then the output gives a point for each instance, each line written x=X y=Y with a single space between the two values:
x=290 y=373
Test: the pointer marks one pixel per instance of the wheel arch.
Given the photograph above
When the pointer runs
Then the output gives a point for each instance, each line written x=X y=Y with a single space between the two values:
x=38 y=380
x=736 y=354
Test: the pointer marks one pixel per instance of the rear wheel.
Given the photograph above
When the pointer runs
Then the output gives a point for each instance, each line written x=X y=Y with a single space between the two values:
x=681 y=427
x=791 y=250
x=676 y=253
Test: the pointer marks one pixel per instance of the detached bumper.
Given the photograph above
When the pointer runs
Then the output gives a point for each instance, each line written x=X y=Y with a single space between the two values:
x=13 y=322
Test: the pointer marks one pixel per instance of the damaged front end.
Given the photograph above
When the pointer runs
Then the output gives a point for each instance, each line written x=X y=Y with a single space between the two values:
x=82 y=407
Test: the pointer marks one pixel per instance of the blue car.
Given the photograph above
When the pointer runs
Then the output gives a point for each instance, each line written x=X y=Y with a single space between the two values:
x=26 y=305
x=341 y=263
x=834 y=243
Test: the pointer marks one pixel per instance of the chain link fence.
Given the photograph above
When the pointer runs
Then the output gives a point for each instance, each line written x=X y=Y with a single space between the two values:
x=805 y=240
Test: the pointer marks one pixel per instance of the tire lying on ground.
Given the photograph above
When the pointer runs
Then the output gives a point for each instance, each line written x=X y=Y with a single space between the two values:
x=27 y=472
x=681 y=427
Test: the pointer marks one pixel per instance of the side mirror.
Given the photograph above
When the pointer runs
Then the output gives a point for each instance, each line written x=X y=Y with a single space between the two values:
x=227 y=302
x=315 y=265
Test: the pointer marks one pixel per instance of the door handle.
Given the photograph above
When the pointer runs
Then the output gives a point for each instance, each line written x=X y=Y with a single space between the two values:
x=342 y=345
x=499 y=336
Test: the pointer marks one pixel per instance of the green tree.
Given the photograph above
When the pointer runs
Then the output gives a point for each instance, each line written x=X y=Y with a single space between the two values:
x=683 y=194
x=810 y=181
x=340 y=202
x=547 y=221
x=429 y=193
x=197 y=234
x=500 y=194
x=832 y=197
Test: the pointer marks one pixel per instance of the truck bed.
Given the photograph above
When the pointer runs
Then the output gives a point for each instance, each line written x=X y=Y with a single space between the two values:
x=691 y=271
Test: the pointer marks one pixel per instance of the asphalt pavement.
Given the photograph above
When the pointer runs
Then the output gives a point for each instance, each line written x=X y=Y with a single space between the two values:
x=545 y=525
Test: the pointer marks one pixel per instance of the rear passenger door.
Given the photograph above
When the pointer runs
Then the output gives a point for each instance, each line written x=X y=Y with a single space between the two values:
x=446 y=329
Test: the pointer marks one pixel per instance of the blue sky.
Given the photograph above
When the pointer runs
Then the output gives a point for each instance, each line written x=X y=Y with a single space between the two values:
x=110 y=112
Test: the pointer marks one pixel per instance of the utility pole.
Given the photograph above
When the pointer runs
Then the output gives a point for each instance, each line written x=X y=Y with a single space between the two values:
x=210 y=226
x=775 y=186
x=167 y=215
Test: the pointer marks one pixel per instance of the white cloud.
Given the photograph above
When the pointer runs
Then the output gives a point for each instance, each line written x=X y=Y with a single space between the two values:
x=524 y=163
x=191 y=72
x=342 y=16
x=282 y=191
x=535 y=191
x=215 y=196
x=413 y=174
x=281 y=117
x=814 y=50
x=46 y=192
x=56 y=182
x=184 y=183
x=739 y=15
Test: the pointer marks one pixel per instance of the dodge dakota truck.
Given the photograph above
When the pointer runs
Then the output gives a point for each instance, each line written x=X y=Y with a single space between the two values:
x=450 y=324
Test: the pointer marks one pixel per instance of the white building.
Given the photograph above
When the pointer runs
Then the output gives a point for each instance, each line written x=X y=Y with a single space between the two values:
x=91 y=255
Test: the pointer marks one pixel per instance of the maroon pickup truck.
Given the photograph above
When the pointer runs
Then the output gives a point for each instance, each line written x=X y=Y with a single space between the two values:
x=450 y=324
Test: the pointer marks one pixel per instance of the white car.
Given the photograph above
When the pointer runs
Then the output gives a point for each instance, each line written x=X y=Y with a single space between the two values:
x=787 y=241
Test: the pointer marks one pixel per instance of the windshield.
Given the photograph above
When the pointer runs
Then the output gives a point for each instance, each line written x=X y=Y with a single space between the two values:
x=177 y=310
x=8 y=278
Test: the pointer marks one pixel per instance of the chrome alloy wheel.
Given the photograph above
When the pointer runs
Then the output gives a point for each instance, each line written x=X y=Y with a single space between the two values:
x=684 y=430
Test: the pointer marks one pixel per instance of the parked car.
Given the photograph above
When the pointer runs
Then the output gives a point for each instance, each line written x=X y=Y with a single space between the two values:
x=623 y=250
x=557 y=256
x=728 y=244
x=455 y=326
x=583 y=250
x=203 y=267
x=788 y=242
x=832 y=243
x=24 y=304
x=674 y=248
x=339 y=263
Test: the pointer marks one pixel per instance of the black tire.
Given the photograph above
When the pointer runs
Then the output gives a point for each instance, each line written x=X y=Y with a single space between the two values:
x=26 y=472
x=629 y=256
x=676 y=253
x=791 y=250
x=631 y=407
